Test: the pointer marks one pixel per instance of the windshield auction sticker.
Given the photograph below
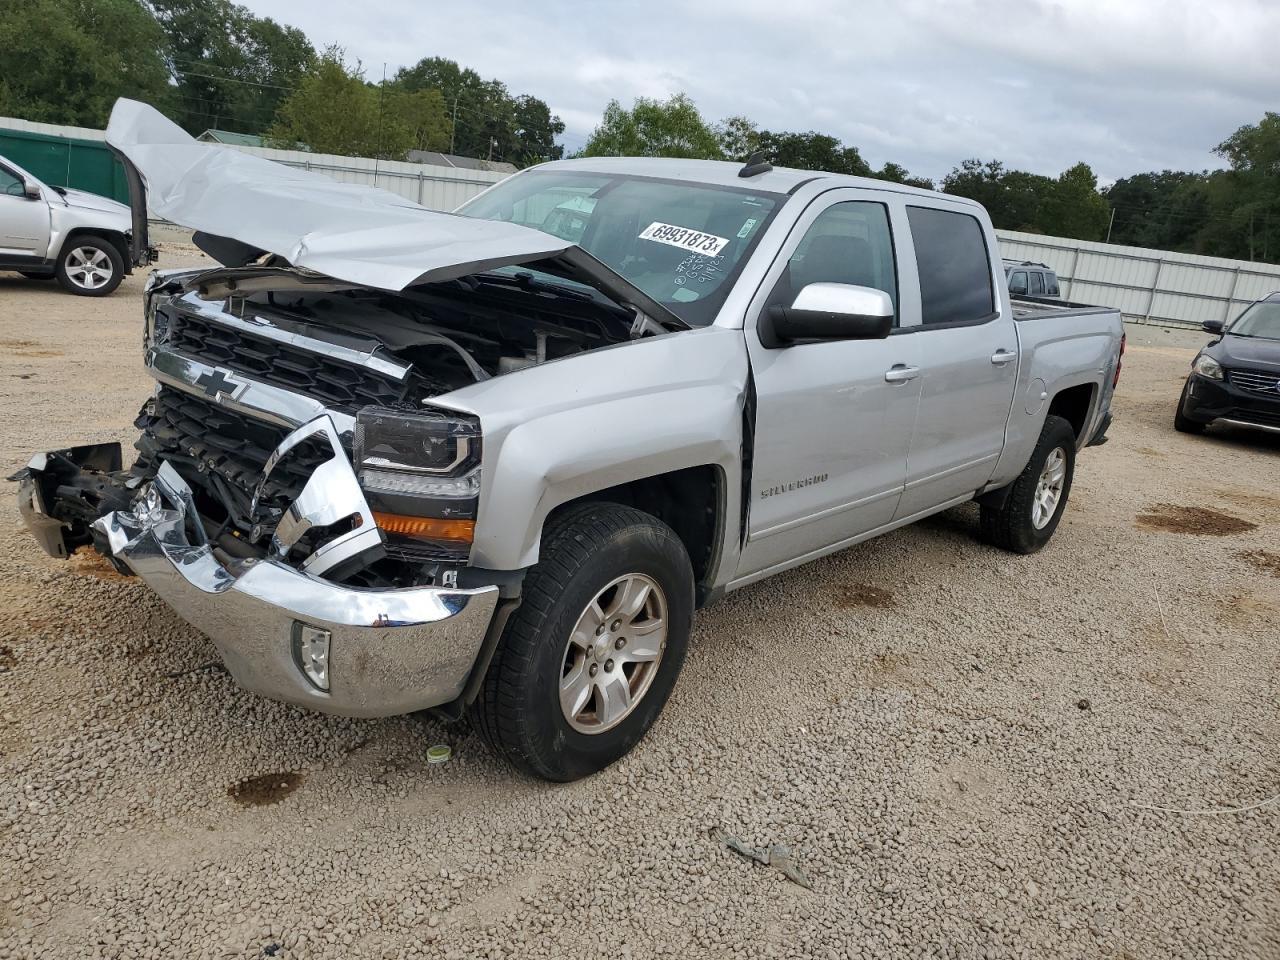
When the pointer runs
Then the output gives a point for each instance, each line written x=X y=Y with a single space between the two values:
x=707 y=244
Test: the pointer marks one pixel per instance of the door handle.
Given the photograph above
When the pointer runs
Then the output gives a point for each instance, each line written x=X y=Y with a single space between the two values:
x=901 y=373
x=1002 y=356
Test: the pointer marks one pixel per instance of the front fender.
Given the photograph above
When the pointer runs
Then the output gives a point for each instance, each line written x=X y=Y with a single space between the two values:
x=566 y=429
x=568 y=455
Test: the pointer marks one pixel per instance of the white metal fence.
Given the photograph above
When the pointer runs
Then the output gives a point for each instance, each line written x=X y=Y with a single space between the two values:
x=437 y=187
x=1152 y=286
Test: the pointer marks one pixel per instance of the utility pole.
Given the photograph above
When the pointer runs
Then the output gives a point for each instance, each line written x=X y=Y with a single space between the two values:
x=382 y=92
x=453 y=133
x=1111 y=223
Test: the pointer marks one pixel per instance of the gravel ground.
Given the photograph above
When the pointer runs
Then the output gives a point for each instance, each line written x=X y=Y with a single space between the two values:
x=957 y=744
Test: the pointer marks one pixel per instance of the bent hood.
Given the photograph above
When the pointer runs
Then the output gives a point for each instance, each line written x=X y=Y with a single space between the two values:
x=352 y=232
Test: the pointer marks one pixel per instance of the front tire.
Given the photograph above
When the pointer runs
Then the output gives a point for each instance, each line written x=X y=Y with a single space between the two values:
x=90 y=267
x=588 y=660
x=1034 y=507
x=1181 y=422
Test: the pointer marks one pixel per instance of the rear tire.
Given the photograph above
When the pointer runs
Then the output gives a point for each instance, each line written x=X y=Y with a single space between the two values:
x=90 y=267
x=1038 y=497
x=1181 y=422
x=578 y=678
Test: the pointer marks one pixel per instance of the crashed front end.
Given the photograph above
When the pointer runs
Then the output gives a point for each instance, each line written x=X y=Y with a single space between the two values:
x=285 y=622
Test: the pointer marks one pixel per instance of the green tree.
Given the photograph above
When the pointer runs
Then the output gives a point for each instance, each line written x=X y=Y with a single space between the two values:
x=654 y=128
x=66 y=61
x=333 y=110
x=1074 y=208
x=1165 y=210
x=813 y=151
x=1244 y=202
x=739 y=138
x=231 y=68
x=1012 y=197
x=898 y=174
x=486 y=120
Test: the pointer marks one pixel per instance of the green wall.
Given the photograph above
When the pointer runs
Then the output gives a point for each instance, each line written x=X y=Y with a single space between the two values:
x=67 y=162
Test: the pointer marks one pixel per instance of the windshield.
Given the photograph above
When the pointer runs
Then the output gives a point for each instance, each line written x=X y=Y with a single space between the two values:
x=682 y=244
x=1260 y=320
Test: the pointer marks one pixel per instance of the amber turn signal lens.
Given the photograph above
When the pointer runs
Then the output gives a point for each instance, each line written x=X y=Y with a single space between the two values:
x=426 y=528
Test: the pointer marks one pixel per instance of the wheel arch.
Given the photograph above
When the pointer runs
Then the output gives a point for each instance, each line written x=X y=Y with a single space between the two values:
x=1075 y=405
x=692 y=501
x=115 y=237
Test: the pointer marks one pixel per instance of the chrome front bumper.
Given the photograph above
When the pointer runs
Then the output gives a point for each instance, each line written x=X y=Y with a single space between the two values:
x=390 y=651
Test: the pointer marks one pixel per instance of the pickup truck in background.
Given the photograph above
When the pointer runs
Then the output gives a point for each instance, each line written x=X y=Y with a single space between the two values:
x=84 y=240
x=398 y=459
x=1029 y=279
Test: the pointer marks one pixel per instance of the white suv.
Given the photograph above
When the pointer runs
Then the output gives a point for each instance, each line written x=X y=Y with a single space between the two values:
x=81 y=238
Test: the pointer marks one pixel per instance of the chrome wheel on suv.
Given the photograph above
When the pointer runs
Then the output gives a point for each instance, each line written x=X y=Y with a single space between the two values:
x=90 y=267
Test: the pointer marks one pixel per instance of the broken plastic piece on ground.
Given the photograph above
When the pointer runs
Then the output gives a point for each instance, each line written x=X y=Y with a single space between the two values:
x=777 y=856
x=440 y=753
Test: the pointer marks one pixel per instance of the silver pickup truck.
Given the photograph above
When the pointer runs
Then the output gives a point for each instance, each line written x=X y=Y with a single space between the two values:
x=398 y=459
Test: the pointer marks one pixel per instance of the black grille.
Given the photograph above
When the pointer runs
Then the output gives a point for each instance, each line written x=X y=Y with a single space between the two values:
x=225 y=452
x=1260 y=381
x=341 y=386
x=1266 y=418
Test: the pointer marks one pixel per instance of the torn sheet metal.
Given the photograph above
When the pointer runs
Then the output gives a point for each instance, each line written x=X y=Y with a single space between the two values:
x=348 y=231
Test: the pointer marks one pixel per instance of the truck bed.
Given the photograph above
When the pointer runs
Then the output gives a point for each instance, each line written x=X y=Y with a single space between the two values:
x=1033 y=308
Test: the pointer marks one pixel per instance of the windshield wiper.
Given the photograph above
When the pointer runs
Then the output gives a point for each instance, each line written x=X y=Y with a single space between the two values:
x=527 y=281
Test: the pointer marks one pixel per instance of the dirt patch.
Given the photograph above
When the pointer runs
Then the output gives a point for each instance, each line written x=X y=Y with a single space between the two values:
x=90 y=563
x=264 y=790
x=1263 y=560
x=862 y=595
x=1151 y=452
x=28 y=348
x=1245 y=498
x=1241 y=609
x=7 y=659
x=1172 y=518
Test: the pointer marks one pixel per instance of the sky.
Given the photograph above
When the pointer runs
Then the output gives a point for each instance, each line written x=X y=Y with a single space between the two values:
x=1124 y=85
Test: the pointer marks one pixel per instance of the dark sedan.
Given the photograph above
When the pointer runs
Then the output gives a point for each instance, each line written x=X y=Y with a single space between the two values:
x=1236 y=378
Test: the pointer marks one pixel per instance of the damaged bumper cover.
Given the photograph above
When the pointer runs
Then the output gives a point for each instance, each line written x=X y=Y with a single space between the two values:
x=388 y=651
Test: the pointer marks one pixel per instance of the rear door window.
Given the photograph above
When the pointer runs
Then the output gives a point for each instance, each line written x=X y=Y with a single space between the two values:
x=954 y=267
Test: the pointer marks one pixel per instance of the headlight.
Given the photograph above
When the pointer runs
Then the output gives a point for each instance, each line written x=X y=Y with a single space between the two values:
x=421 y=475
x=1206 y=366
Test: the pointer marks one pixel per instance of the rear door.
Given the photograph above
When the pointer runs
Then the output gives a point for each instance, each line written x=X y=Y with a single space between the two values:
x=969 y=358
x=832 y=432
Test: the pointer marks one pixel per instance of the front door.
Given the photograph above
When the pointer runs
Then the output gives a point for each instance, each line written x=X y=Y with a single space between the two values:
x=24 y=223
x=832 y=431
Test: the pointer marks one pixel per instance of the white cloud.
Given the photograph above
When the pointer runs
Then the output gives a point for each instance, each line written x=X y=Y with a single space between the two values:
x=1039 y=84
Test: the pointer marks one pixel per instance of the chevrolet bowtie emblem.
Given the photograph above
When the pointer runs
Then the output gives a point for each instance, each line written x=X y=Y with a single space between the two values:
x=217 y=383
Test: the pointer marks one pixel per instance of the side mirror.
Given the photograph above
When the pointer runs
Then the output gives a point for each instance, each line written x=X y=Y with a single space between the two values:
x=1213 y=326
x=831 y=311
x=31 y=189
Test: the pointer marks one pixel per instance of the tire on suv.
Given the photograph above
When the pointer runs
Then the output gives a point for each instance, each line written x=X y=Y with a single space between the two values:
x=90 y=266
